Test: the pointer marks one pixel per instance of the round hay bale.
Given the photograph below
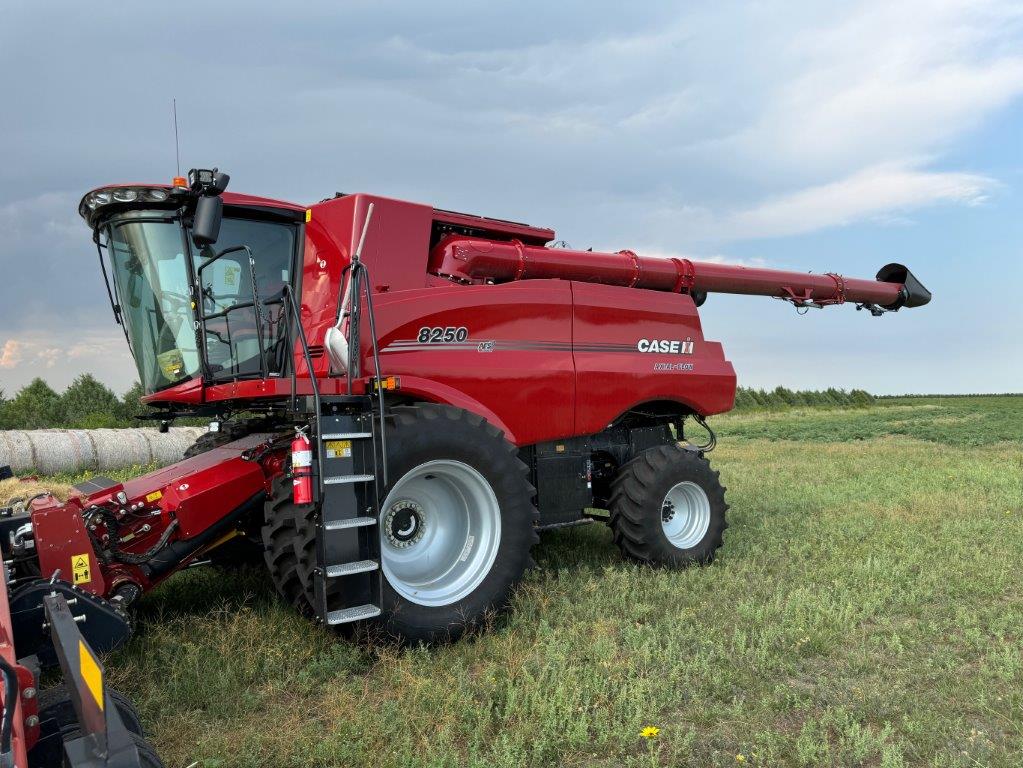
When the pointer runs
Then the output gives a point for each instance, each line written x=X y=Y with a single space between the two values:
x=49 y=451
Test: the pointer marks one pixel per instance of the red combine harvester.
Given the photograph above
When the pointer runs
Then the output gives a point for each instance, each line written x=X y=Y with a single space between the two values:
x=400 y=398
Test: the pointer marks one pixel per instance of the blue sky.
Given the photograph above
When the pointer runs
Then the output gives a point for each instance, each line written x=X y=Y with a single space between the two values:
x=836 y=136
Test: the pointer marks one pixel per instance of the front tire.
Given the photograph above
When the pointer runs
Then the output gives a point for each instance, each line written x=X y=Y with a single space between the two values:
x=457 y=523
x=668 y=508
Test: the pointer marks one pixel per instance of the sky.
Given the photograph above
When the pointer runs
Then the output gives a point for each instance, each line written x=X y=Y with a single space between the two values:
x=797 y=135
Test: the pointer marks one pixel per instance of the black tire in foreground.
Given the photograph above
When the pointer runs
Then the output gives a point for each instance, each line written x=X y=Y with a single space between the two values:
x=55 y=707
x=668 y=508
x=457 y=524
x=59 y=723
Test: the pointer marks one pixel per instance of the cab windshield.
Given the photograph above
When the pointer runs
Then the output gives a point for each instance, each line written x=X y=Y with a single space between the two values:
x=154 y=270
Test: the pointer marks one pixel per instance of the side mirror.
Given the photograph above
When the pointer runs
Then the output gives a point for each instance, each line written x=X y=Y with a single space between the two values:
x=206 y=223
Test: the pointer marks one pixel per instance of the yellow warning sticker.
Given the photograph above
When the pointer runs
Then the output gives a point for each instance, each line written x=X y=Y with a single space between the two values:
x=92 y=673
x=154 y=496
x=338 y=449
x=80 y=569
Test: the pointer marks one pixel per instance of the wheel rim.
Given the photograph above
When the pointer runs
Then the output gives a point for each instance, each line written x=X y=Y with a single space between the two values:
x=685 y=515
x=440 y=529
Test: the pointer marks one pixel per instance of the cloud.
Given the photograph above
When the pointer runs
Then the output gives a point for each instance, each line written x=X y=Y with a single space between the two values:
x=881 y=81
x=879 y=191
x=716 y=258
x=674 y=128
x=11 y=354
x=65 y=355
x=53 y=213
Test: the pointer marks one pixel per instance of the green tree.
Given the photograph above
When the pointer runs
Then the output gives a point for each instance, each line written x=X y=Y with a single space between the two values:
x=743 y=400
x=36 y=406
x=860 y=398
x=89 y=404
x=132 y=407
x=784 y=396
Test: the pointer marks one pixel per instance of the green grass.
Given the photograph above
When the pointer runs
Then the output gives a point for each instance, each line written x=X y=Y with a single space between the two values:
x=964 y=421
x=864 y=611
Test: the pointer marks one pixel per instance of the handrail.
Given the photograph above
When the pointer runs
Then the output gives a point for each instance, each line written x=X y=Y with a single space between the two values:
x=361 y=268
x=296 y=320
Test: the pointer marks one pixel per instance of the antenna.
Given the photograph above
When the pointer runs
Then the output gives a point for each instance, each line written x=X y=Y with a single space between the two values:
x=177 y=150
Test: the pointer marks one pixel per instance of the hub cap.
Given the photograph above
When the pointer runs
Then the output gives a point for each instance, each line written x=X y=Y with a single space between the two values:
x=685 y=515
x=441 y=529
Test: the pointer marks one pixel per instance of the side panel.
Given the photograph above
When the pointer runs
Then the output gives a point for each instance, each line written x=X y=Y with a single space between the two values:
x=507 y=347
x=395 y=253
x=634 y=346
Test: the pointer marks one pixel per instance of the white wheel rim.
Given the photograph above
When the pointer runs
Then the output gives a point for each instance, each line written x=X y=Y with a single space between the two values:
x=685 y=515
x=440 y=530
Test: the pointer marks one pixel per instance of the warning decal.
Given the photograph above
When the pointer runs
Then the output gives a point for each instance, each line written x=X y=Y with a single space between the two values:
x=338 y=449
x=80 y=569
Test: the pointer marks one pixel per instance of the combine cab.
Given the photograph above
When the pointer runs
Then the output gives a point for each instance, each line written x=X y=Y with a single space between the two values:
x=423 y=393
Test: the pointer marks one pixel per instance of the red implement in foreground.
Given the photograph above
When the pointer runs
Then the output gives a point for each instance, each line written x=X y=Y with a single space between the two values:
x=424 y=391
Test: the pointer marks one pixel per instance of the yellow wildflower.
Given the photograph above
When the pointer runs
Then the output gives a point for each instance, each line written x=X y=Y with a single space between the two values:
x=740 y=758
x=650 y=732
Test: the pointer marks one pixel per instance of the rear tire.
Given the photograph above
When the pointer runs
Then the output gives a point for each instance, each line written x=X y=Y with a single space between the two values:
x=668 y=508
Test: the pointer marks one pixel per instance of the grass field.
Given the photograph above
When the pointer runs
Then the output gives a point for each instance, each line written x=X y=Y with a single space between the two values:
x=866 y=609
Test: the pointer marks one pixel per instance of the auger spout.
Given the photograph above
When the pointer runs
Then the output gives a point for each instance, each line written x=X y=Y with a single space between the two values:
x=474 y=260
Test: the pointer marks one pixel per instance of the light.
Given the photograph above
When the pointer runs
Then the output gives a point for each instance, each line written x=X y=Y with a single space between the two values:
x=199 y=178
x=179 y=181
x=127 y=197
x=96 y=199
x=389 y=383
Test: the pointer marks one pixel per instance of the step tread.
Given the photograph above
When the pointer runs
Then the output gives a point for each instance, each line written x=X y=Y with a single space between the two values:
x=351 y=522
x=348 y=569
x=355 y=613
x=342 y=479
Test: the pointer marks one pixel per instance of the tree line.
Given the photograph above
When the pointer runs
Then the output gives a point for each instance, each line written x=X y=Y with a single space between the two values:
x=780 y=398
x=86 y=404
x=89 y=404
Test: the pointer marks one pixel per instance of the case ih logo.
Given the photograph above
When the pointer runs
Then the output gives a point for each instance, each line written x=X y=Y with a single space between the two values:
x=666 y=346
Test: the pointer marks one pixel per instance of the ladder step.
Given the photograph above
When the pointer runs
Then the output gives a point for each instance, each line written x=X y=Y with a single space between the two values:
x=347 y=569
x=346 y=435
x=351 y=522
x=342 y=479
x=358 y=613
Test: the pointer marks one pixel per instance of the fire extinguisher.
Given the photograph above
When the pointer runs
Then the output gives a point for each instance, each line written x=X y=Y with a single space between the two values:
x=301 y=468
